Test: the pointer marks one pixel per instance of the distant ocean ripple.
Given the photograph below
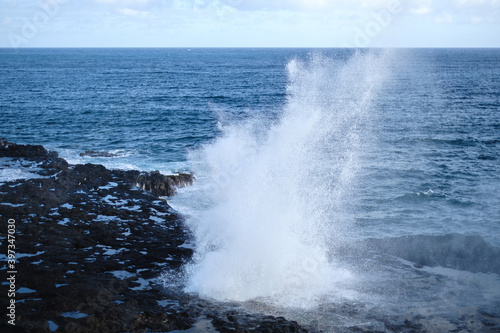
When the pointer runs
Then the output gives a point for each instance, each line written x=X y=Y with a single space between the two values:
x=431 y=163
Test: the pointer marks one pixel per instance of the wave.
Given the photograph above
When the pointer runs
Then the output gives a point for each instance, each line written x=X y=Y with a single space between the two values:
x=12 y=169
x=418 y=196
x=456 y=251
x=272 y=197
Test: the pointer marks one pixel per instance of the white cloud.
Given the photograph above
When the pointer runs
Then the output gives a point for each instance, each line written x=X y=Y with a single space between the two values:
x=461 y=11
x=124 y=2
x=301 y=5
x=444 y=18
x=254 y=22
x=422 y=10
x=421 y=7
x=478 y=2
x=132 y=12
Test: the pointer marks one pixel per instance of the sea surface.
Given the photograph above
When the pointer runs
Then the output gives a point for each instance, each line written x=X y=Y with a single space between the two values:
x=299 y=155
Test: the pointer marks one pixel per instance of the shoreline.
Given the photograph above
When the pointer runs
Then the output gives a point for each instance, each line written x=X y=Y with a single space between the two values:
x=91 y=245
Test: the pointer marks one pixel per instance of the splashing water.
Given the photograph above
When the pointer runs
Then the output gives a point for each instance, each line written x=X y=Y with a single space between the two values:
x=272 y=199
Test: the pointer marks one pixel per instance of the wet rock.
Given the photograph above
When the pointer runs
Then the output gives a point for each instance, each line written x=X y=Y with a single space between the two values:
x=233 y=321
x=161 y=185
x=49 y=162
x=10 y=149
x=92 y=249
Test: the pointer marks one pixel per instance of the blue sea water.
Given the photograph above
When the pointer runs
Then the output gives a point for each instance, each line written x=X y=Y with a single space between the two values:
x=153 y=104
x=432 y=163
x=377 y=143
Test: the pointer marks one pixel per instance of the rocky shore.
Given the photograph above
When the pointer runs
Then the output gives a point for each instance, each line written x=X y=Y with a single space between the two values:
x=91 y=249
x=90 y=246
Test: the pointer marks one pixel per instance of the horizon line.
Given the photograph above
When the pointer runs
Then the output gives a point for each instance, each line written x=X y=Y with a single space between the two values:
x=249 y=47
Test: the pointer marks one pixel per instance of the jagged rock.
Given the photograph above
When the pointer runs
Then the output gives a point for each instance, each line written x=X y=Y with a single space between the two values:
x=240 y=322
x=93 y=248
x=50 y=162
x=161 y=185
x=9 y=149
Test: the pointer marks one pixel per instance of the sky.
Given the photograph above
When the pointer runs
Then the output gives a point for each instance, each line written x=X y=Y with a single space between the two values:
x=249 y=23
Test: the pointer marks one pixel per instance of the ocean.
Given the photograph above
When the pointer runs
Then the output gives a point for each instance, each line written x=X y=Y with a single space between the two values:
x=309 y=163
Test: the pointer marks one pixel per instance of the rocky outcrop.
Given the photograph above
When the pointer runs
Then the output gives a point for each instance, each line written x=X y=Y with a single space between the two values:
x=9 y=149
x=91 y=175
x=98 y=250
x=161 y=185
x=91 y=250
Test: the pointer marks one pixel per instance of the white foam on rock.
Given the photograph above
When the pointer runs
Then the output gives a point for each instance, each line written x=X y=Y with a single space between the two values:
x=121 y=274
x=17 y=169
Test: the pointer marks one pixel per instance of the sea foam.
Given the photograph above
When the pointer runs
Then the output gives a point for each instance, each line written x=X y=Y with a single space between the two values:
x=272 y=199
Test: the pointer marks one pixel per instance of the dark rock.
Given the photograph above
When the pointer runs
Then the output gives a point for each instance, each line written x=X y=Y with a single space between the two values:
x=49 y=162
x=233 y=321
x=9 y=149
x=161 y=185
x=94 y=247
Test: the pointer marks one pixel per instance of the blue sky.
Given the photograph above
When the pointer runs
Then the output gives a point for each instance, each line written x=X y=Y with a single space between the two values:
x=249 y=23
